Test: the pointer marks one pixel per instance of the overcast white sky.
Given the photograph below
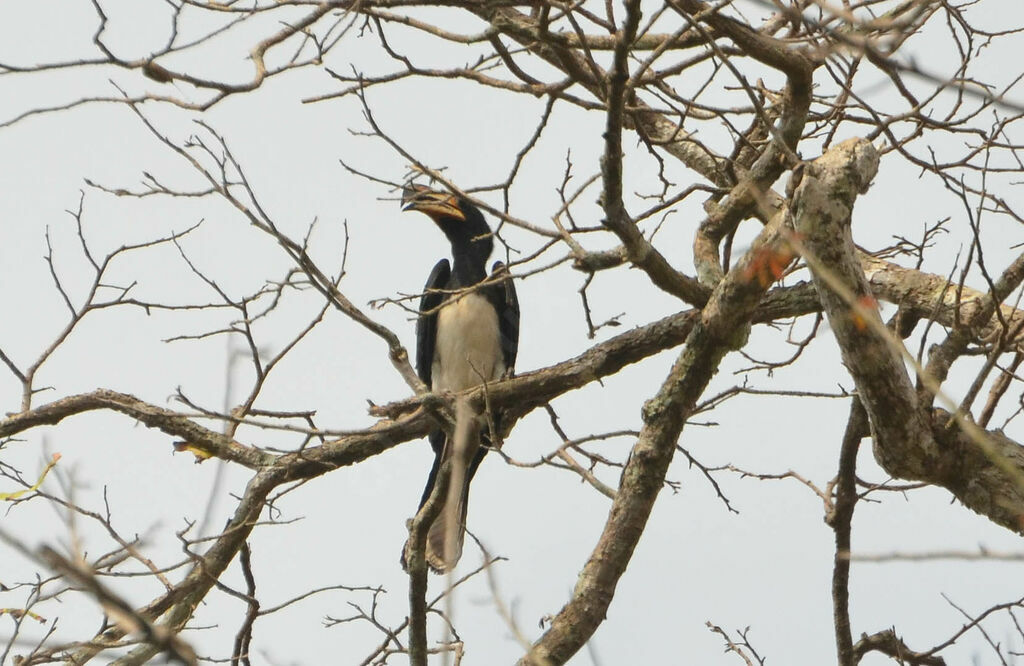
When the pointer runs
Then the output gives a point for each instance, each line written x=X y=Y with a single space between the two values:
x=767 y=568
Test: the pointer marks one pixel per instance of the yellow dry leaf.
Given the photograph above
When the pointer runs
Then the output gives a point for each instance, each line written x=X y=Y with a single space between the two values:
x=7 y=497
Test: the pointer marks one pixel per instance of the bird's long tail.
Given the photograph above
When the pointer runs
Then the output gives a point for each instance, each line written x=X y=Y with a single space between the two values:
x=444 y=540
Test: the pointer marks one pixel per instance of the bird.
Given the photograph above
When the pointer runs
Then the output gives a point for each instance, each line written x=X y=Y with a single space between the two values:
x=467 y=334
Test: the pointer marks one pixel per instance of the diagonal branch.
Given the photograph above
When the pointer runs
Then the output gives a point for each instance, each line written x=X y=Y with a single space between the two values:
x=723 y=327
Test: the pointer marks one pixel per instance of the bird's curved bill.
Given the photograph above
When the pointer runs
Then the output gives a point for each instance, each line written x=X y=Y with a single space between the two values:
x=433 y=203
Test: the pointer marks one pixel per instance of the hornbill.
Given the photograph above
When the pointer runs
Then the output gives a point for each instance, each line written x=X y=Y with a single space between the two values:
x=467 y=334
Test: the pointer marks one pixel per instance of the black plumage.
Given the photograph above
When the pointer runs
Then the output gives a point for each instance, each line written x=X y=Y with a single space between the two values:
x=465 y=336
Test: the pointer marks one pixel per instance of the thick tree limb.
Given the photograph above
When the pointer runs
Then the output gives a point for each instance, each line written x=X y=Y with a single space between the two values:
x=930 y=295
x=823 y=206
x=983 y=470
x=724 y=326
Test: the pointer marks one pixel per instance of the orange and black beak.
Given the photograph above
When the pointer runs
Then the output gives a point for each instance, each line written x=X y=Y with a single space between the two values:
x=435 y=204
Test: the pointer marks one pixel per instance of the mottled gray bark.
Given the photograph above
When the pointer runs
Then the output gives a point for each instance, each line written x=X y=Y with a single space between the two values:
x=912 y=441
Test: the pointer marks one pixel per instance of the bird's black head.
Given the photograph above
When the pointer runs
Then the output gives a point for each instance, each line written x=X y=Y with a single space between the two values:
x=461 y=221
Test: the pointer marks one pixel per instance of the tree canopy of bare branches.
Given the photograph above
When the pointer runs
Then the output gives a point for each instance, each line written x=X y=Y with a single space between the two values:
x=748 y=235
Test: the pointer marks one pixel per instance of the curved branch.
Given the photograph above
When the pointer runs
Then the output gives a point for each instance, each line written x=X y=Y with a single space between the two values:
x=202 y=440
x=983 y=470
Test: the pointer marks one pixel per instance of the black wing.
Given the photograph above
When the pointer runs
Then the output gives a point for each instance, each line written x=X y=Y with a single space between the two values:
x=507 y=305
x=426 y=326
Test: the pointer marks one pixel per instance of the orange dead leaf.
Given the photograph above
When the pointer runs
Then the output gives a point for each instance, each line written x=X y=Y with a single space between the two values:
x=866 y=302
x=768 y=264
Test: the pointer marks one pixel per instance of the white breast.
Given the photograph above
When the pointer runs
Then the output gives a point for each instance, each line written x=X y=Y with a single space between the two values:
x=467 y=351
